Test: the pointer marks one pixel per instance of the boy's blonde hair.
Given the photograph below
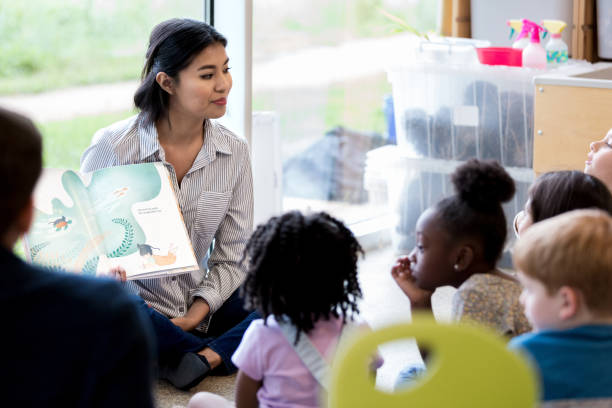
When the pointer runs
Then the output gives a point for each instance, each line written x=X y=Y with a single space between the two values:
x=572 y=249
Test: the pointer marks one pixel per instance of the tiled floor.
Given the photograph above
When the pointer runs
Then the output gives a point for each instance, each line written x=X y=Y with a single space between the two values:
x=383 y=304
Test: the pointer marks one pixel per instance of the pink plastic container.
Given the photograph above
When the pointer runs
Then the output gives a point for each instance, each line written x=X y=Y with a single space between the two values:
x=500 y=56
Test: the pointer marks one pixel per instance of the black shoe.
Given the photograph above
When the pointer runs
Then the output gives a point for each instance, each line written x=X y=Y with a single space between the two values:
x=187 y=373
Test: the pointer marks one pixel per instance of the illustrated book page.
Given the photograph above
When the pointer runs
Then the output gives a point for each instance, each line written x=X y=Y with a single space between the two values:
x=124 y=216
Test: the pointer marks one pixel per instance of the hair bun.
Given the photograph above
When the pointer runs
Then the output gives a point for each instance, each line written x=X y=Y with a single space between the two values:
x=483 y=183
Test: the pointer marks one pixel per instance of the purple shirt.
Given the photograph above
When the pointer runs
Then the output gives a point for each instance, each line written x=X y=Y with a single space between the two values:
x=265 y=355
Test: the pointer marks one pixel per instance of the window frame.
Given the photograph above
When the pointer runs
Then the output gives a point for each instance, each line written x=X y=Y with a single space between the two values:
x=234 y=19
x=226 y=16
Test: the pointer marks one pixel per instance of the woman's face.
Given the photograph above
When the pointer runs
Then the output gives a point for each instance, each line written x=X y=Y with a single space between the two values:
x=203 y=86
x=599 y=161
x=430 y=260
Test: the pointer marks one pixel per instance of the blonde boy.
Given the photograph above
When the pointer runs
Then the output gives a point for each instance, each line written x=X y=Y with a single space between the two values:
x=565 y=266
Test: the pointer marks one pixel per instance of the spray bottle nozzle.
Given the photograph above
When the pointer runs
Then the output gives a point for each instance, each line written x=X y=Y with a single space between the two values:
x=554 y=27
x=534 y=29
x=516 y=25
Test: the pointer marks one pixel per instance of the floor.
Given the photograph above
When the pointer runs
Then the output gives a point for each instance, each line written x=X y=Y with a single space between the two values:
x=383 y=304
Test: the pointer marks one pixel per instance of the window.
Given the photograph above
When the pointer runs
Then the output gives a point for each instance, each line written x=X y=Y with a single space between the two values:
x=319 y=66
x=73 y=65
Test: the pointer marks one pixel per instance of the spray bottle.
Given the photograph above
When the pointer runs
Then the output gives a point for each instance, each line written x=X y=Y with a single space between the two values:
x=534 y=55
x=556 y=49
x=521 y=40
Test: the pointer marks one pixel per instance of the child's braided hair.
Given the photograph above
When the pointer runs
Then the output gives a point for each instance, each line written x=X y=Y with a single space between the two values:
x=302 y=267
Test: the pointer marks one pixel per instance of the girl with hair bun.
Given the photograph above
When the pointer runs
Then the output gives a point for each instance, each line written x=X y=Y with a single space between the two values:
x=458 y=243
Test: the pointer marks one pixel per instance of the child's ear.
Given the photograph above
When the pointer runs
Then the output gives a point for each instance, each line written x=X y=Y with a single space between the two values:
x=25 y=217
x=20 y=226
x=570 y=302
x=464 y=257
x=165 y=82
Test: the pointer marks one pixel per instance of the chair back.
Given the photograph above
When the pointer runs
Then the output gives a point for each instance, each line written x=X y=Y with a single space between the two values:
x=469 y=366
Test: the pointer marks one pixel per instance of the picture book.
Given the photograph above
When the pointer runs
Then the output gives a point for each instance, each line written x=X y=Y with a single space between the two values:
x=124 y=216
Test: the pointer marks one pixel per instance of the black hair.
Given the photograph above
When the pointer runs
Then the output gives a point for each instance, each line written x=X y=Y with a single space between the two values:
x=173 y=44
x=304 y=268
x=475 y=211
x=557 y=192
x=20 y=164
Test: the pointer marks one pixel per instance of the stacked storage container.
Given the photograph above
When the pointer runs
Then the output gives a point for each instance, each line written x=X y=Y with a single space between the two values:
x=448 y=110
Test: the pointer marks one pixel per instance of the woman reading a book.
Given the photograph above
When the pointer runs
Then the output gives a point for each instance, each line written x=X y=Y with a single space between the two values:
x=198 y=317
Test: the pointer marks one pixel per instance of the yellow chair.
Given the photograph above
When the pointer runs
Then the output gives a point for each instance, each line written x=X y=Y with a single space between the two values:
x=468 y=367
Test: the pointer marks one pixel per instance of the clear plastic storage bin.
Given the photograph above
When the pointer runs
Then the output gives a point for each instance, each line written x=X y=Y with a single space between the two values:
x=413 y=184
x=458 y=111
x=449 y=108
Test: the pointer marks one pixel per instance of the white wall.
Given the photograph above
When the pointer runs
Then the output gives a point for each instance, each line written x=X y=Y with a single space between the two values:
x=267 y=166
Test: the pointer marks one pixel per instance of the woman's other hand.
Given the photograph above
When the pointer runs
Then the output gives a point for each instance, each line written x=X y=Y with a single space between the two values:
x=118 y=273
x=184 y=323
x=198 y=310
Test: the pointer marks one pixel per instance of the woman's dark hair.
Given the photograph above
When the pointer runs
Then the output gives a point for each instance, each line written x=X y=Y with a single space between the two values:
x=302 y=267
x=173 y=44
x=560 y=191
x=475 y=211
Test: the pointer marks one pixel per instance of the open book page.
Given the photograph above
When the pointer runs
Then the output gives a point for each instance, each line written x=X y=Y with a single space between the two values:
x=138 y=215
x=124 y=216
x=64 y=234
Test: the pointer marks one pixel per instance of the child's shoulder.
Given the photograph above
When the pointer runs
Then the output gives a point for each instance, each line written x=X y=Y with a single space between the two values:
x=492 y=300
x=486 y=282
x=264 y=327
x=588 y=335
x=271 y=327
x=262 y=335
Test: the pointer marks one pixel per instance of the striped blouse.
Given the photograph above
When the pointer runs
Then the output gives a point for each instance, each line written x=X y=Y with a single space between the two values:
x=216 y=199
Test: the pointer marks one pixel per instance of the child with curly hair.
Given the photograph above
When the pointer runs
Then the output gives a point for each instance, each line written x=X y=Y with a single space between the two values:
x=302 y=278
x=458 y=243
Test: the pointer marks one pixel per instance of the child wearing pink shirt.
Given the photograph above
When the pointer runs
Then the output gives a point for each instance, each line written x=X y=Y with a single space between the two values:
x=302 y=278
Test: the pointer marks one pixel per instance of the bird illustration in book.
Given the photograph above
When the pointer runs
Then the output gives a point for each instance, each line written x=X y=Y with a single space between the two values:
x=60 y=223
x=151 y=260
x=145 y=249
